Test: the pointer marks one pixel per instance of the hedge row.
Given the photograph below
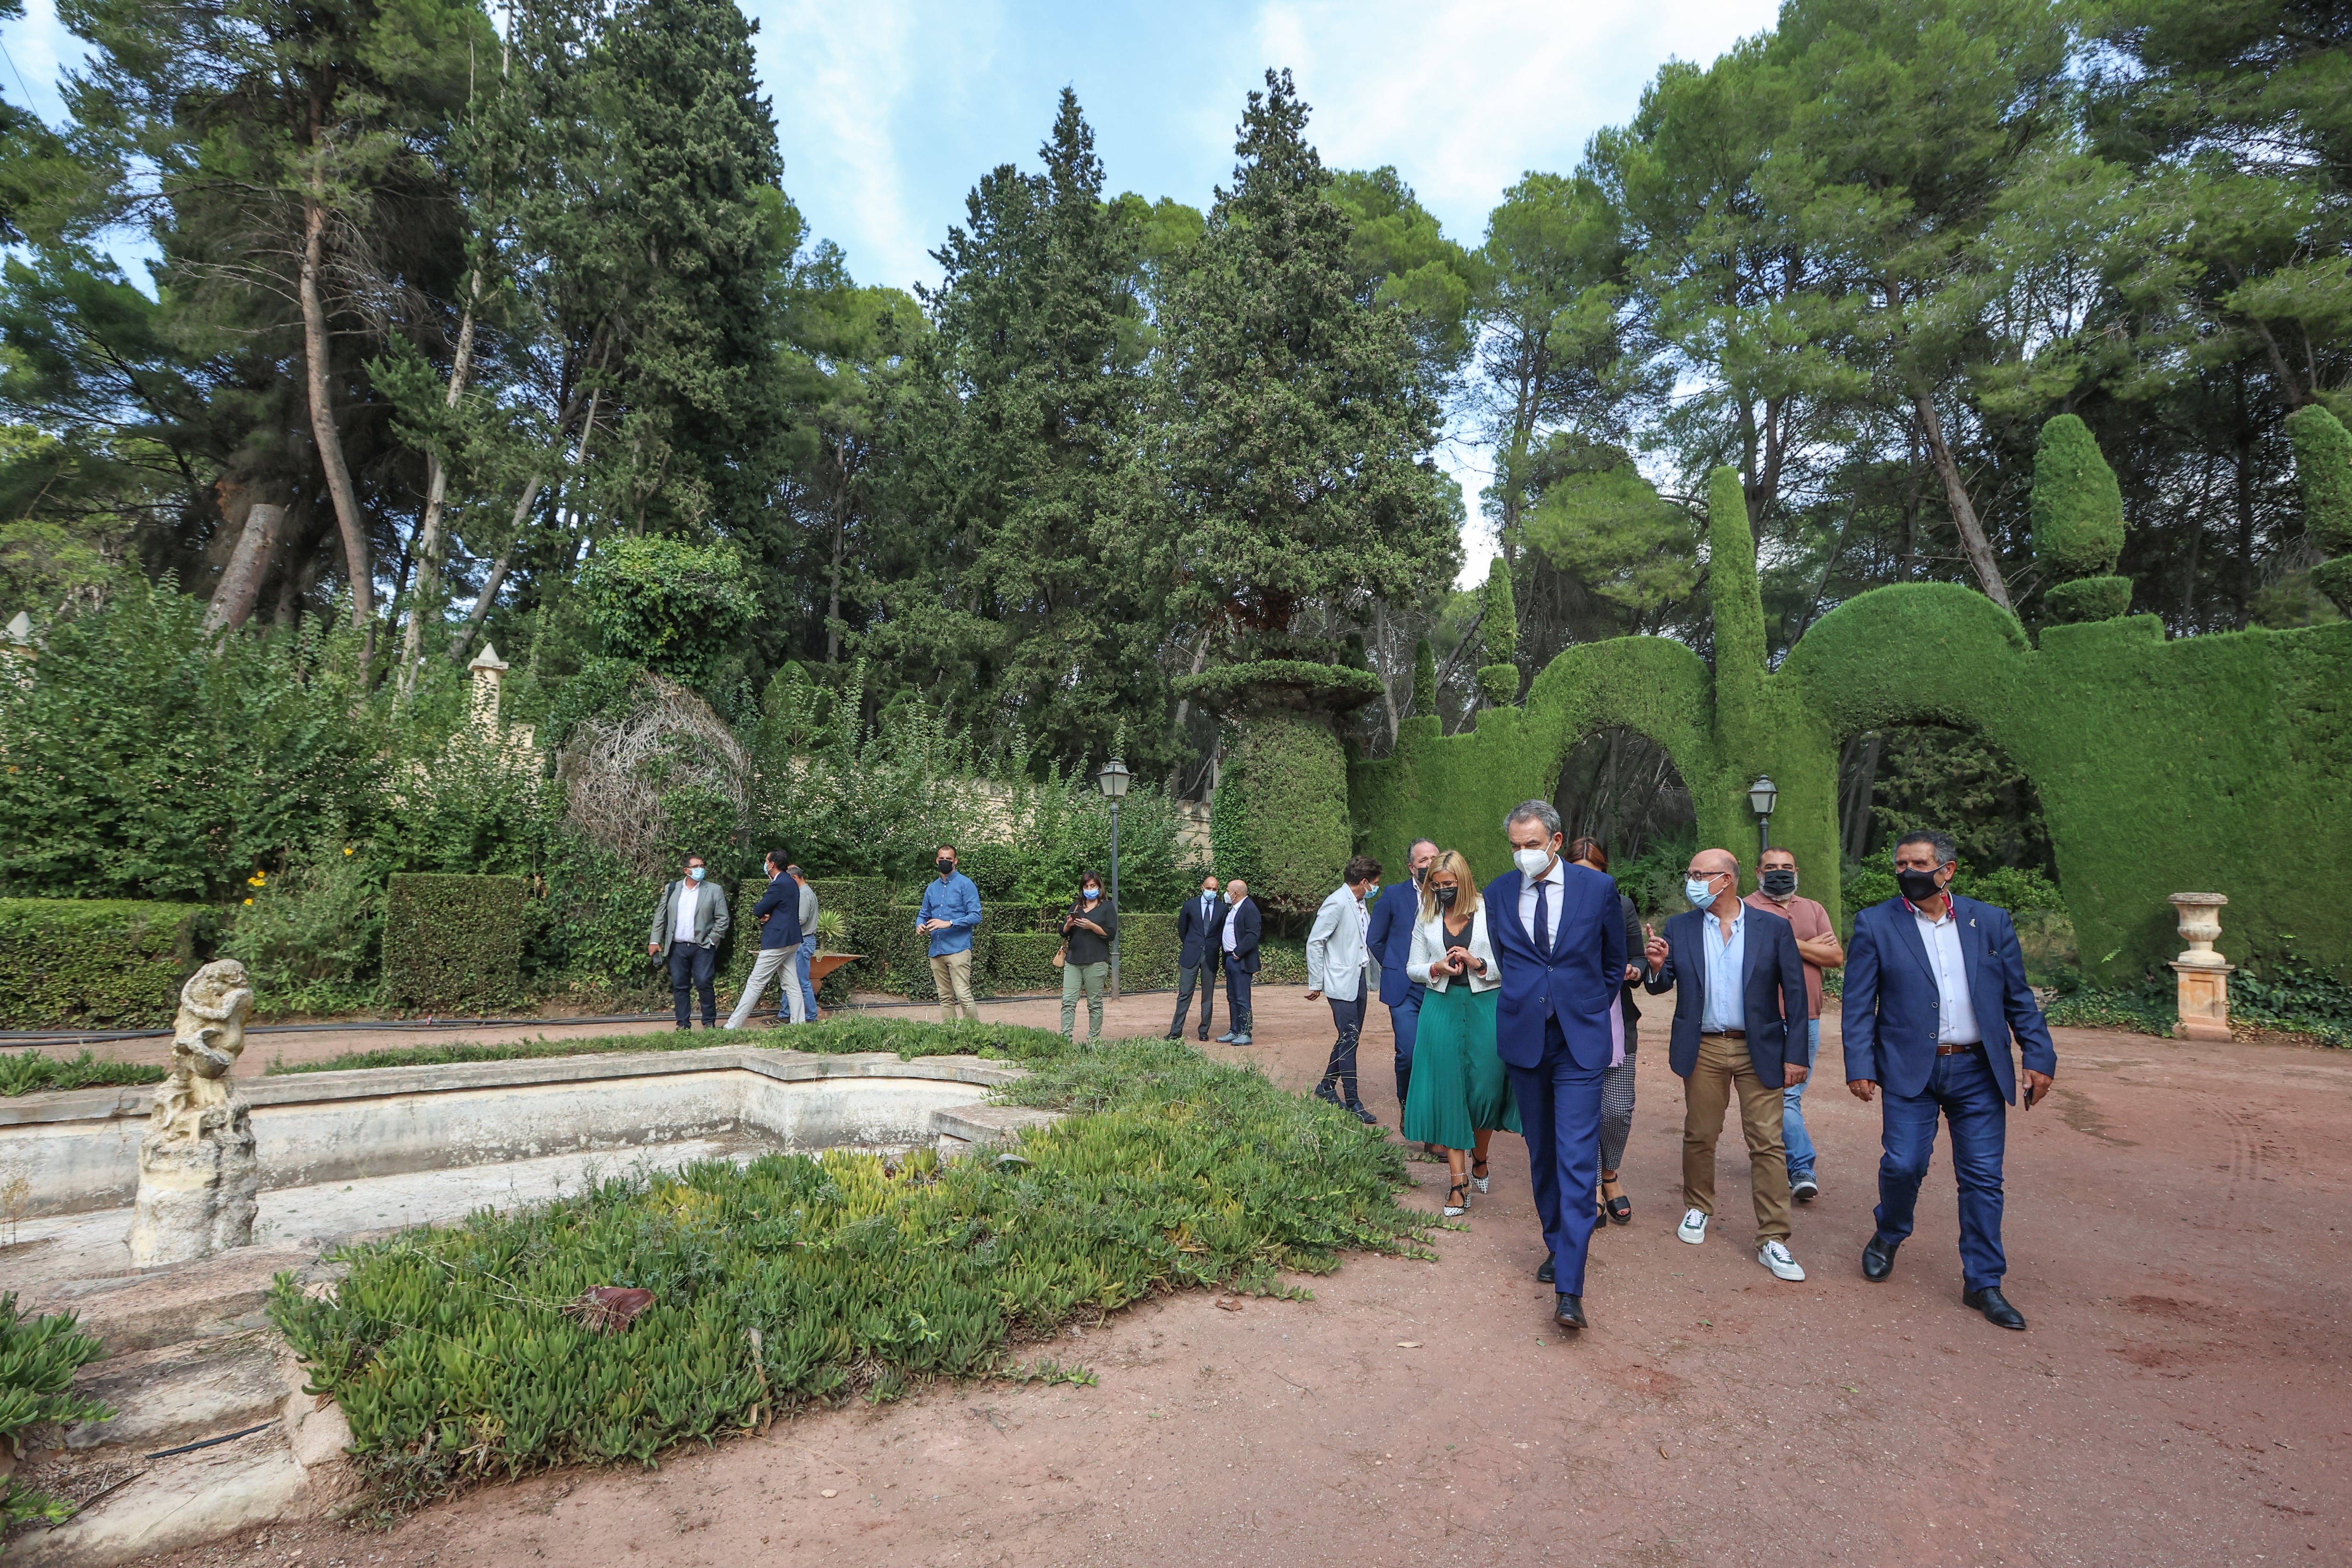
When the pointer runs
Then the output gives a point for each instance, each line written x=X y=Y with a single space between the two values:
x=454 y=942
x=98 y=963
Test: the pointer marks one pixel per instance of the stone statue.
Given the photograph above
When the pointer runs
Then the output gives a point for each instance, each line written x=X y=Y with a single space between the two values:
x=199 y=1183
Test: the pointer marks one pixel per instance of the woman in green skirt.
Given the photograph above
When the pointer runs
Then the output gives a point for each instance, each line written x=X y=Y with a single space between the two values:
x=1461 y=1092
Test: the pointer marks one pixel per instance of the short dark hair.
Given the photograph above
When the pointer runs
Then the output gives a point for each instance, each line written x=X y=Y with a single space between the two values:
x=776 y=859
x=1934 y=838
x=1363 y=869
x=951 y=849
x=1587 y=849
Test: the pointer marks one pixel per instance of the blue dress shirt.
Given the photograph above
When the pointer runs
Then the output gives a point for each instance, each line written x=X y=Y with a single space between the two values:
x=1726 y=958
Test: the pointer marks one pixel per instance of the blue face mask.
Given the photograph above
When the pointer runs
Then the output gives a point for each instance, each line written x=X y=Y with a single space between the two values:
x=1697 y=890
x=694 y=873
x=1090 y=894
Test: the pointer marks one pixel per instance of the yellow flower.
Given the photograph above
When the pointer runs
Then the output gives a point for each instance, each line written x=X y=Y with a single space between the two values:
x=257 y=880
x=347 y=848
x=248 y=900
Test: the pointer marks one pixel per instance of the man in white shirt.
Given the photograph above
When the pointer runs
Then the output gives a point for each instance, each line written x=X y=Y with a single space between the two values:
x=1338 y=959
x=1935 y=992
x=689 y=925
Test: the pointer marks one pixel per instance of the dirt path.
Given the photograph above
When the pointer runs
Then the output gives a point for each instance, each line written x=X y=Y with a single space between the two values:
x=2177 y=1228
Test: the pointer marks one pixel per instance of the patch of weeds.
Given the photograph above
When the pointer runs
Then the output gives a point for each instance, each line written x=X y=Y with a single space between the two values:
x=30 y=1072
x=1049 y=1372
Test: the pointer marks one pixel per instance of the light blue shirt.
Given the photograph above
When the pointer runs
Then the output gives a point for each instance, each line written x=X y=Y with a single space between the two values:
x=1725 y=957
x=956 y=902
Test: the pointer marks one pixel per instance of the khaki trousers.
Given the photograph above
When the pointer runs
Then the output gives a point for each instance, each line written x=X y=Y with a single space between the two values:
x=1723 y=1066
x=951 y=973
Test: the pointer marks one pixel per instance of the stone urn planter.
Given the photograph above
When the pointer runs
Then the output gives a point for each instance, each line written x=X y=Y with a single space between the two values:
x=2203 y=999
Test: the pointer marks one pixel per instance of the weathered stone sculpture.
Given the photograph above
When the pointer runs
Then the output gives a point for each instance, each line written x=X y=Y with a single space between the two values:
x=2203 y=995
x=199 y=1183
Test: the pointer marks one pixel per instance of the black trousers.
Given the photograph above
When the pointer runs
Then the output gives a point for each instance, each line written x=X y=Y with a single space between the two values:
x=1202 y=976
x=1347 y=1018
x=1237 y=993
x=691 y=966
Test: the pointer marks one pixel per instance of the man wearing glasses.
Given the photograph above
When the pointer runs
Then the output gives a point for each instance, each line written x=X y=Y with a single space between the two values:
x=1935 y=991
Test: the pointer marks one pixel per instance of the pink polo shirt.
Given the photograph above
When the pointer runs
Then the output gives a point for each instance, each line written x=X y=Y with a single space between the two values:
x=1811 y=921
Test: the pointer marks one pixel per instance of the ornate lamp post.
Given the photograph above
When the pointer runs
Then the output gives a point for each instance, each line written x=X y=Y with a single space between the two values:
x=1114 y=779
x=1762 y=795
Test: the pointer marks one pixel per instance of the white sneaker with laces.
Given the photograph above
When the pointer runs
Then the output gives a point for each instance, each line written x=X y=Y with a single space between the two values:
x=1776 y=1256
x=1694 y=1227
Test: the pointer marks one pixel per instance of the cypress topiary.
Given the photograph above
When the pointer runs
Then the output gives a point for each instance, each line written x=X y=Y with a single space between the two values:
x=2078 y=522
x=1498 y=678
x=1424 y=677
x=2323 y=469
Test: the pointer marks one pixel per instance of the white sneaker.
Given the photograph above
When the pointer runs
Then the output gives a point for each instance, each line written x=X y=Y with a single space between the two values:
x=1694 y=1227
x=1774 y=1255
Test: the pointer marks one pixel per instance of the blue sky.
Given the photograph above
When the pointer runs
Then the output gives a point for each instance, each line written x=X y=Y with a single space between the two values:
x=889 y=110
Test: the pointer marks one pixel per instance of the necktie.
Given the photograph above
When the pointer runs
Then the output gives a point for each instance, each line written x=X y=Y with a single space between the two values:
x=1543 y=922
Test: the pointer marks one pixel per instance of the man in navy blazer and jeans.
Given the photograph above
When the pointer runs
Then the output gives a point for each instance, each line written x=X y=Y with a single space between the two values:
x=1559 y=942
x=1935 y=988
x=1740 y=985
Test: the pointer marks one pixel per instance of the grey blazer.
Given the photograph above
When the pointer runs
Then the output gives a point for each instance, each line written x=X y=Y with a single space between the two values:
x=711 y=916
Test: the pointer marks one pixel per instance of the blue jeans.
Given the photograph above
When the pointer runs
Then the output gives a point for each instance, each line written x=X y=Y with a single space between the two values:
x=1961 y=1089
x=1559 y=1107
x=1793 y=1109
x=808 y=991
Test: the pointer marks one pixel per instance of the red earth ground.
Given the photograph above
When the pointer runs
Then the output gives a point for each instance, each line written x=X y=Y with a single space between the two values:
x=2177 y=1233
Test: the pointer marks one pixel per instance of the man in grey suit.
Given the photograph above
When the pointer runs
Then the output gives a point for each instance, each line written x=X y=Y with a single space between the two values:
x=688 y=926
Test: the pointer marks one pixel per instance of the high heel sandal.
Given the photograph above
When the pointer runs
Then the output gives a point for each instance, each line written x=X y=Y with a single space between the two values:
x=1457 y=1199
x=1620 y=1209
x=1476 y=1180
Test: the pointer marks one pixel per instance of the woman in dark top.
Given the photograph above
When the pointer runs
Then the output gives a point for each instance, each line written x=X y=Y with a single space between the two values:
x=1091 y=924
x=1616 y=1082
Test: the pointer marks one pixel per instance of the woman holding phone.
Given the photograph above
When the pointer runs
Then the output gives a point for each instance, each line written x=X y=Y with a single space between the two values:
x=1461 y=1092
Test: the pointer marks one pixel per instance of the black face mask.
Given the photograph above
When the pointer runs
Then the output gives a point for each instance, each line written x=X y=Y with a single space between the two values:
x=1780 y=882
x=947 y=867
x=1446 y=896
x=1917 y=885
x=1421 y=874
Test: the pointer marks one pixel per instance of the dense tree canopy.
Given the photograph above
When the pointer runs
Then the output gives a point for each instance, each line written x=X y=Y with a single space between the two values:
x=461 y=330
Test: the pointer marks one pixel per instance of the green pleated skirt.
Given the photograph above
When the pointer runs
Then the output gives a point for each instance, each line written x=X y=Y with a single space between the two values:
x=1459 y=1084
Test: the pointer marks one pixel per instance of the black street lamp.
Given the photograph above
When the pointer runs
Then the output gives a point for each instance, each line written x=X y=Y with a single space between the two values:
x=1761 y=796
x=1114 y=779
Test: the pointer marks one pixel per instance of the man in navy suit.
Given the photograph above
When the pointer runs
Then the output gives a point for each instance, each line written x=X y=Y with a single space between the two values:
x=1935 y=988
x=1394 y=914
x=1197 y=925
x=1238 y=936
x=1559 y=942
x=1738 y=981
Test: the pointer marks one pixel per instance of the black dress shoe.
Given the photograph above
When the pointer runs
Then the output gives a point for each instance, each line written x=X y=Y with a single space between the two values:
x=1177 y=1035
x=1204 y=1034
x=1878 y=1258
x=1544 y=1274
x=1570 y=1313
x=1995 y=1307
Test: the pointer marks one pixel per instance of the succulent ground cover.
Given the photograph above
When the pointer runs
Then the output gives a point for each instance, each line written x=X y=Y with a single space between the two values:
x=795 y=1280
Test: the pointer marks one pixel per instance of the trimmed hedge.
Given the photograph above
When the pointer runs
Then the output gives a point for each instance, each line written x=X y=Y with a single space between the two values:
x=2219 y=763
x=1279 y=818
x=455 y=942
x=2078 y=506
x=98 y=963
x=2089 y=599
x=1024 y=960
x=2323 y=469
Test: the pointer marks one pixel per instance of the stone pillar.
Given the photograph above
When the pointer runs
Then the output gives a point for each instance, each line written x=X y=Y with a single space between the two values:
x=199 y=1183
x=2204 y=975
x=487 y=670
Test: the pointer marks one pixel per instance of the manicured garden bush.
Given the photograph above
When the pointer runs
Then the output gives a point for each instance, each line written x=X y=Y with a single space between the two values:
x=794 y=1280
x=456 y=943
x=1025 y=962
x=97 y=963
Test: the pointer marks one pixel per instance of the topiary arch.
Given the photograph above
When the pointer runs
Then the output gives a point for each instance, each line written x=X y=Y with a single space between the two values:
x=2219 y=763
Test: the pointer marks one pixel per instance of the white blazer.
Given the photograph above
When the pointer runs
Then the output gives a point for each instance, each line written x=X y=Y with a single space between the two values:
x=1336 y=955
x=1429 y=944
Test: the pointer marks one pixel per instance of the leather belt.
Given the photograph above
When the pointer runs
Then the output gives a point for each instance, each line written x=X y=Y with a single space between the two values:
x=1956 y=1050
x=1726 y=1033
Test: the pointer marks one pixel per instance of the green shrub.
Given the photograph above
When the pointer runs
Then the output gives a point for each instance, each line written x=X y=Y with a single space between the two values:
x=1499 y=684
x=2293 y=996
x=1025 y=962
x=1425 y=678
x=451 y=944
x=1147 y=950
x=2078 y=506
x=97 y=963
x=1279 y=818
x=588 y=934
x=1498 y=621
x=30 y=1072
x=311 y=936
x=673 y=607
x=2323 y=471
x=2089 y=599
x=38 y=1360
x=795 y=1280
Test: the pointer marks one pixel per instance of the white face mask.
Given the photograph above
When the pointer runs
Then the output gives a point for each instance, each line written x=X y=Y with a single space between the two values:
x=1532 y=862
